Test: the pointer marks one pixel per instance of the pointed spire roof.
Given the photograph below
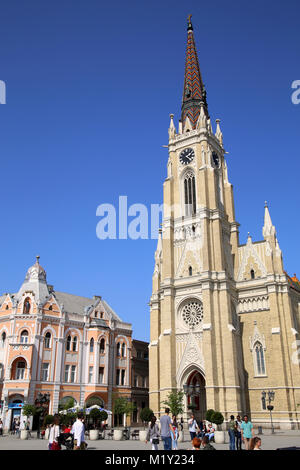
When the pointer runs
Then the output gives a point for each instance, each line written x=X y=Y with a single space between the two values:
x=268 y=228
x=193 y=91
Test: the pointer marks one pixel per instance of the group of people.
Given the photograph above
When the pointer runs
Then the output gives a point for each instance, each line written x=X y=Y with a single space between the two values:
x=240 y=431
x=72 y=435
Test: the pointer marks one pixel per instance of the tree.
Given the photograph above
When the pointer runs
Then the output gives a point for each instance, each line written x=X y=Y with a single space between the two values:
x=29 y=410
x=48 y=420
x=95 y=415
x=209 y=414
x=103 y=416
x=217 y=418
x=174 y=401
x=146 y=415
x=69 y=404
x=122 y=406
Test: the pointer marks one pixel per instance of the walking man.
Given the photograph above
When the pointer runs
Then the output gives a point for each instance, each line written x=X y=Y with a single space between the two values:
x=166 y=429
x=231 y=432
x=78 y=431
x=238 y=434
x=247 y=432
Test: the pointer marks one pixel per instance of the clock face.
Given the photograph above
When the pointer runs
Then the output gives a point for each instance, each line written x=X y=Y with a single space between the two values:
x=186 y=156
x=216 y=159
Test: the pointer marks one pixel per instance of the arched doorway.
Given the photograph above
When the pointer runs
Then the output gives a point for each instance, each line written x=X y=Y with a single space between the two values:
x=196 y=394
x=15 y=406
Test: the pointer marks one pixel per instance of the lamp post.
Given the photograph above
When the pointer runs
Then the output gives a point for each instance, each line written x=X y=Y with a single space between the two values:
x=42 y=403
x=271 y=396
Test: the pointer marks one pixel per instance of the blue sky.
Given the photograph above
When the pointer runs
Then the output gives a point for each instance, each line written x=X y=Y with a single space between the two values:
x=90 y=86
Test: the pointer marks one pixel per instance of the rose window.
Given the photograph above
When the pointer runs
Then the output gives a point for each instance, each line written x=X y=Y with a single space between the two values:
x=192 y=313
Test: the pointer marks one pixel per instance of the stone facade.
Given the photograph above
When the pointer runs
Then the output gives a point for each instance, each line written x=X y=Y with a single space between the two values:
x=139 y=378
x=224 y=316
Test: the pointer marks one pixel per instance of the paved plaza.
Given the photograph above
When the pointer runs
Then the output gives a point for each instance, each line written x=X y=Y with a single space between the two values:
x=269 y=442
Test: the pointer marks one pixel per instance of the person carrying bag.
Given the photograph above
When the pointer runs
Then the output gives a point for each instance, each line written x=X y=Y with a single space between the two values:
x=153 y=433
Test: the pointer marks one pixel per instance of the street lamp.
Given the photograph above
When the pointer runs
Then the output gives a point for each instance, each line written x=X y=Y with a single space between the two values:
x=271 y=396
x=42 y=403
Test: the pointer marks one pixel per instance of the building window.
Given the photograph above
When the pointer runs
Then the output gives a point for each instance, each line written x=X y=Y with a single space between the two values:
x=190 y=271
x=260 y=359
x=20 y=370
x=118 y=377
x=96 y=314
x=74 y=345
x=45 y=371
x=24 y=336
x=123 y=350
x=119 y=350
x=26 y=308
x=252 y=274
x=47 y=340
x=189 y=194
x=73 y=374
x=69 y=343
x=139 y=354
x=50 y=307
x=1 y=374
x=91 y=371
x=67 y=369
x=144 y=382
x=135 y=381
x=123 y=377
x=102 y=346
x=3 y=338
x=92 y=345
x=146 y=355
x=101 y=375
x=101 y=314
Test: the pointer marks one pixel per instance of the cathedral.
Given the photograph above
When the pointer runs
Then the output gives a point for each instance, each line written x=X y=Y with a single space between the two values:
x=224 y=317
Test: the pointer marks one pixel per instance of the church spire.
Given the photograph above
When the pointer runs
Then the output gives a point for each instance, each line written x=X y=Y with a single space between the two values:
x=268 y=228
x=193 y=91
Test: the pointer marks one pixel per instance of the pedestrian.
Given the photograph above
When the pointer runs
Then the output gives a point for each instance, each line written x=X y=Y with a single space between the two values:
x=175 y=434
x=247 y=431
x=196 y=443
x=206 y=444
x=78 y=432
x=231 y=432
x=54 y=433
x=255 y=443
x=238 y=433
x=181 y=423
x=193 y=427
x=210 y=432
x=1 y=427
x=166 y=430
x=153 y=433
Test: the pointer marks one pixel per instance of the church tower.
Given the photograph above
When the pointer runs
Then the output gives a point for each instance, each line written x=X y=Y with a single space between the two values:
x=195 y=342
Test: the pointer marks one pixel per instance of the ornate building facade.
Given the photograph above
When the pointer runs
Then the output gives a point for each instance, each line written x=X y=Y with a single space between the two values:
x=61 y=344
x=224 y=317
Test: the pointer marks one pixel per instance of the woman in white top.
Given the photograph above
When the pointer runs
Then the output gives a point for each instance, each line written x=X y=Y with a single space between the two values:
x=54 y=431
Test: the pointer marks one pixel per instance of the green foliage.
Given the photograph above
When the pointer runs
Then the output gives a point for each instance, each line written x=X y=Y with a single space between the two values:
x=103 y=416
x=123 y=406
x=69 y=404
x=209 y=414
x=29 y=410
x=175 y=401
x=217 y=418
x=146 y=415
x=68 y=418
x=48 y=420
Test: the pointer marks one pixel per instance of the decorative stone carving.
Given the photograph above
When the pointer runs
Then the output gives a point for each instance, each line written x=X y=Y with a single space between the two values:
x=192 y=313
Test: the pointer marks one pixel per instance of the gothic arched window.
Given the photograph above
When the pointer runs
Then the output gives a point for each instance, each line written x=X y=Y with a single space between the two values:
x=3 y=338
x=92 y=345
x=68 y=343
x=26 y=308
x=47 y=340
x=259 y=359
x=252 y=274
x=190 y=271
x=189 y=193
x=118 y=349
x=102 y=346
x=74 y=346
x=123 y=350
